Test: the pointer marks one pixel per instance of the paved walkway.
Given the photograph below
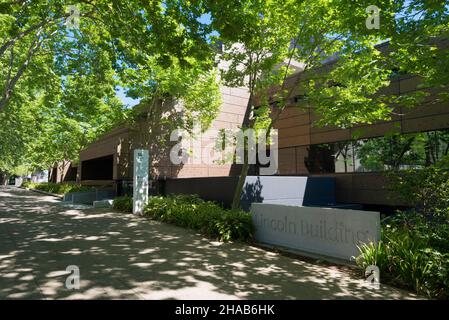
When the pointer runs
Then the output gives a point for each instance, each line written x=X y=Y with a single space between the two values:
x=125 y=257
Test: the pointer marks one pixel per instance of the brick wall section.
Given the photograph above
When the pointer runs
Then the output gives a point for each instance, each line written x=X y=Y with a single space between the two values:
x=121 y=142
x=230 y=116
x=112 y=143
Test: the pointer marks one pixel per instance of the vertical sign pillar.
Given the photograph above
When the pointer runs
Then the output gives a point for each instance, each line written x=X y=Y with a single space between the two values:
x=140 y=180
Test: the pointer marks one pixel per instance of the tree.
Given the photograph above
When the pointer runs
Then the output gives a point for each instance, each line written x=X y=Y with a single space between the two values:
x=70 y=75
x=173 y=98
x=127 y=30
x=271 y=36
x=345 y=92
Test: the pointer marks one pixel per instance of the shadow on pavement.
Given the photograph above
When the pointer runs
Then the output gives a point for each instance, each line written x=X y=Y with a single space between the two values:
x=125 y=257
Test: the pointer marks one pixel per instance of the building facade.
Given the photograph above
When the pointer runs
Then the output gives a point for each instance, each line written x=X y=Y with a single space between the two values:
x=108 y=161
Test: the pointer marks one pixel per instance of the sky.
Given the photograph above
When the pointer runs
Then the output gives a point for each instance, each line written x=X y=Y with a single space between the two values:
x=120 y=92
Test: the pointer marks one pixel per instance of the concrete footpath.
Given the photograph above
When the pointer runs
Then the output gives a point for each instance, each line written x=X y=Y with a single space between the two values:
x=120 y=256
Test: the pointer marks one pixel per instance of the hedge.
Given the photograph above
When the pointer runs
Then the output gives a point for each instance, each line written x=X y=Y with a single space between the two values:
x=191 y=212
x=205 y=216
x=124 y=204
x=412 y=253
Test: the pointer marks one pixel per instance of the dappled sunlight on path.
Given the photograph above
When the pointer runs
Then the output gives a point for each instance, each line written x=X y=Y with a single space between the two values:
x=121 y=256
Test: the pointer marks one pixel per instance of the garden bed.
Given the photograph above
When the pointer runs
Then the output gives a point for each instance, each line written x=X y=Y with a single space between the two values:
x=194 y=213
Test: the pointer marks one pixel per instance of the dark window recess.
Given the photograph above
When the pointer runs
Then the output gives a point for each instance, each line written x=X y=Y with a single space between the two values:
x=97 y=169
x=54 y=175
x=320 y=159
x=71 y=174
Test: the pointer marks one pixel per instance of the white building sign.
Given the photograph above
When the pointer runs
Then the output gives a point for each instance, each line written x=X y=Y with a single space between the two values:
x=324 y=231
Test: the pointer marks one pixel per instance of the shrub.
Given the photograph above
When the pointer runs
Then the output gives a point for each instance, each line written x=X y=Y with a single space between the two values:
x=124 y=204
x=411 y=253
x=205 y=216
x=426 y=189
x=414 y=249
x=27 y=184
x=235 y=225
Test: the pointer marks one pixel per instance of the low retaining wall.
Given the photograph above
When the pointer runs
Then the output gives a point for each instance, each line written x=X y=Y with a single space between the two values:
x=299 y=191
x=310 y=191
x=325 y=231
x=88 y=197
x=219 y=189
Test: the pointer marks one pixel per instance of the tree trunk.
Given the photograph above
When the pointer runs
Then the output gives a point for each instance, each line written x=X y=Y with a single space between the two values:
x=3 y=179
x=239 y=189
x=245 y=167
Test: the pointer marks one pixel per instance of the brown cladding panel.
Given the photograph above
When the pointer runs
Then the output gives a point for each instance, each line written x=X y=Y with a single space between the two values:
x=294 y=131
x=229 y=108
x=426 y=123
x=316 y=129
x=293 y=121
x=293 y=112
x=428 y=109
x=228 y=117
x=409 y=84
x=287 y=161
x=193 y=171
x=234 y=100
x=219 y=171
x=294 y=141
x=330 y=136
x=239 y=92
x=161 y=171
x=392 y=89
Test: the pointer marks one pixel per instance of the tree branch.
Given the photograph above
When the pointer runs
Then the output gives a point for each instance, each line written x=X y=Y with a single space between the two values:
x=9 y=87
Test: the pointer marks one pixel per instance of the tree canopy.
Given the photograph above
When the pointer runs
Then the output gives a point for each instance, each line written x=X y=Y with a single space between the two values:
x=58 y=82
x=343 y=65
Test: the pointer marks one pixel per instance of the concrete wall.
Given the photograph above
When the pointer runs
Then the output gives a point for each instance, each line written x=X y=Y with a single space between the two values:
x=370 y=188
x=308 y=191
x=325 y=231
x=220 y=189
x=338 y=188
